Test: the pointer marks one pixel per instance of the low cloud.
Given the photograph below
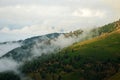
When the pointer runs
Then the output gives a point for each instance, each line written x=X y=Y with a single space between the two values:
x=57 y=44
x=30 y=30
x=39 y=48
x=4 y=48
x=7 y=64
x=47 y=46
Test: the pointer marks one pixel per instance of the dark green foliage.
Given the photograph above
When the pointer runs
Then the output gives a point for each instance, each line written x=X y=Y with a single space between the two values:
x=9 y=76
x=93 y=61
x=96 y=60
x=105 y=29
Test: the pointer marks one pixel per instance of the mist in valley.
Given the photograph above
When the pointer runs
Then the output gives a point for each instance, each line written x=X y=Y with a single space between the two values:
x=47 y=46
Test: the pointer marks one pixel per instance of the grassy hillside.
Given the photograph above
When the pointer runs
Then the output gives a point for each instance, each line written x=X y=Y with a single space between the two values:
x=115 y=77
x=94 y=59
x=97 y=57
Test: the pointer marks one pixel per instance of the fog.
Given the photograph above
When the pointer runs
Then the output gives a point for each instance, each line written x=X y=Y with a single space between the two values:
x=4 y=48
x=47 y=46
x=57 y=44
x=7 y=64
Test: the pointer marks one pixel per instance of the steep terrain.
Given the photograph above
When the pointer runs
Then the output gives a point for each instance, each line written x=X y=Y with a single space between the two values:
x=115 y=77
x=24 y=52
x=91 y=56
x=38 y=45
x=93 y=59
x=8 y=46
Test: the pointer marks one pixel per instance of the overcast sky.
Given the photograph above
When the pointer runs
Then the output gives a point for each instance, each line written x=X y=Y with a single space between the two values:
x=20 y=19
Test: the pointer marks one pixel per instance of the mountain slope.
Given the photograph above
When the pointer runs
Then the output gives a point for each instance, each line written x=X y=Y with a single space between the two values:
x=97 y=57
x=8 y=46
x=105 y=29
x=25 y=51
x=115 y=77
x=38 y=45
x=94 y=59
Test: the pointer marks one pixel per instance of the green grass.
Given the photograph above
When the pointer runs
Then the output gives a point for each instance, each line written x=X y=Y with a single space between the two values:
x=102 y=47
x=115 y=77
x=93 y=59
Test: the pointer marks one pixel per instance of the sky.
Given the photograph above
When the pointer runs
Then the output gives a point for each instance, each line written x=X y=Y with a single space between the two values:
x=21 y=19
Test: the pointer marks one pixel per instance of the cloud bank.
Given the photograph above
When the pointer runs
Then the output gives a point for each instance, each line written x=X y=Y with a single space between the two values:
x=26 y=18
x=8 y=65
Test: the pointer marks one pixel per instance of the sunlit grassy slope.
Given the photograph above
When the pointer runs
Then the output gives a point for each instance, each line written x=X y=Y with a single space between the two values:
x=105 y=48
x=94 y=59
x=115 y=77
x=102 y=47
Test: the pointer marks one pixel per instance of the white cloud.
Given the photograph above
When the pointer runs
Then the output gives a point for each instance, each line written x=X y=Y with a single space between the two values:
x=38 y=16
x=21 y=12
x=31 y=30
x=5 y=30
x=8 y=64
x=4 y=48
x=88 y=13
